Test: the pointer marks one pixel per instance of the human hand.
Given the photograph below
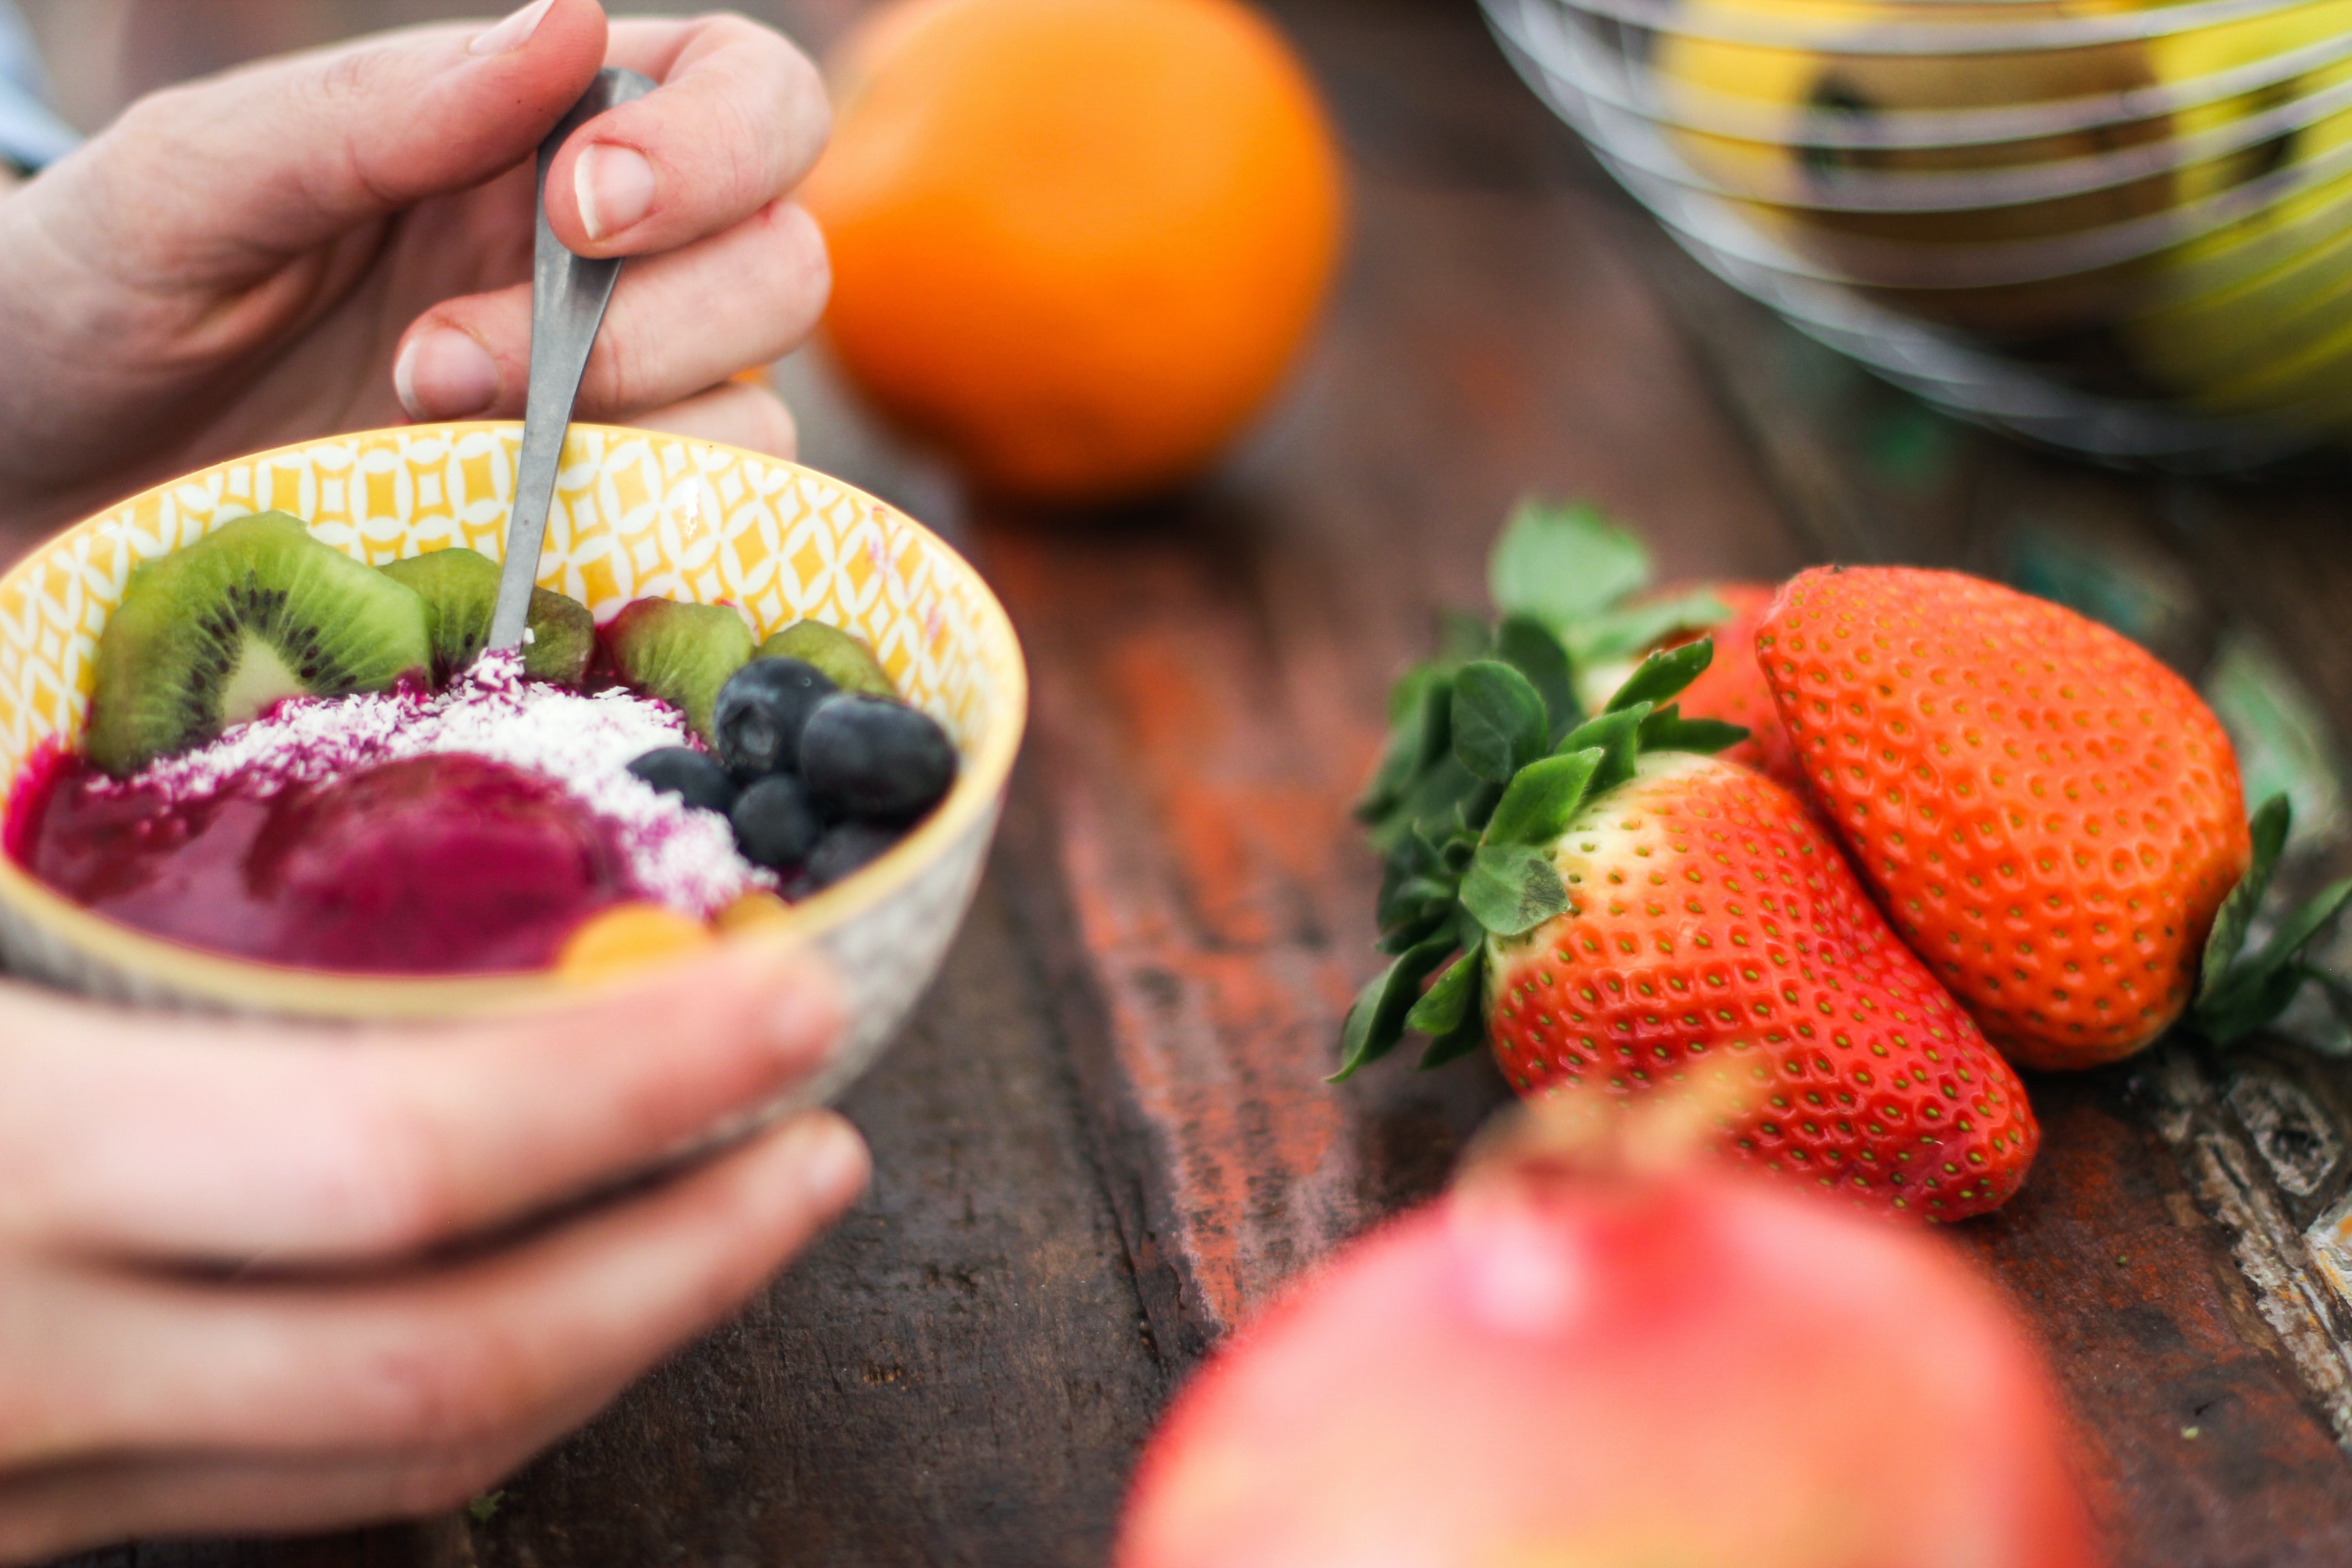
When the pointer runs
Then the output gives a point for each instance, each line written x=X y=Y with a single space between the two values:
x=229 y=1299
x=342 y=239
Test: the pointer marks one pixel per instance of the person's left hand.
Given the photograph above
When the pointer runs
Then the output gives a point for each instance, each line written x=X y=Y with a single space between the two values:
x=342 y=240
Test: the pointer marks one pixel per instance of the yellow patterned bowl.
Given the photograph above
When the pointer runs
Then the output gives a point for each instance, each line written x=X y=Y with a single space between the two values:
x=636 y=514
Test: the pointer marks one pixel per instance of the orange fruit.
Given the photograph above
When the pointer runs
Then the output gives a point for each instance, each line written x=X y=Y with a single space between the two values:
x=754 y=911
x=1077 y=243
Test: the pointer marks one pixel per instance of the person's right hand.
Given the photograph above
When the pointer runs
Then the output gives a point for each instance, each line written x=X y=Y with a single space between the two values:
x=229 y=1299
x=342 y=239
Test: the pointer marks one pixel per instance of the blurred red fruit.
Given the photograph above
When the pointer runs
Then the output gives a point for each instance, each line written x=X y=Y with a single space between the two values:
x=1553 y=1370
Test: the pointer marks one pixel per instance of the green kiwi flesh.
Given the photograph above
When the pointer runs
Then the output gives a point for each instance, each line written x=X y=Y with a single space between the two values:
x=680 y=653
x=845 y=659
x=460 y=589
x=257 y=611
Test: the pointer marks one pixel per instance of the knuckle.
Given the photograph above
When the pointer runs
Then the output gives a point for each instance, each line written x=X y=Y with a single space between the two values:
x=801 y=272
x=345 y=79
x=613 y=366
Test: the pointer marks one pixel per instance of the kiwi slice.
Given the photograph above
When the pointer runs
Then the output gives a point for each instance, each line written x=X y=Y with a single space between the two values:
x=461 y=590
x=680 y=653
x=845 y=659
x=256 y=612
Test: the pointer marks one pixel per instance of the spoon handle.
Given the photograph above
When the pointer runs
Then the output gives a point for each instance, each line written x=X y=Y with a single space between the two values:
x=568 y=296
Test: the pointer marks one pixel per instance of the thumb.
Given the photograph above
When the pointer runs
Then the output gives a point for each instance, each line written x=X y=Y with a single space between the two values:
x=238 y=171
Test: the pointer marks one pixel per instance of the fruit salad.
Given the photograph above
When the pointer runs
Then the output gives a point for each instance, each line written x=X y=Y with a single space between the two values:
x=295 y=757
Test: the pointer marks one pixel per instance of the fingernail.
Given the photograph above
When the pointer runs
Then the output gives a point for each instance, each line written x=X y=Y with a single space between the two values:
x=445 y=375
x=614 y=185
x=833 y=1160
x=511 y=34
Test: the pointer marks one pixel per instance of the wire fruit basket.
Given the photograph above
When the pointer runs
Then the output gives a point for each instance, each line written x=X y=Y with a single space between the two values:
x=2120 y=227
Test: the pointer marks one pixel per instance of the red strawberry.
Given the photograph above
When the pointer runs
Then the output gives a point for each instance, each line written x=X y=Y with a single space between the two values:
x=1633 y=920
x=1693 y=1369
x=2049 y=816
x=1712 y=924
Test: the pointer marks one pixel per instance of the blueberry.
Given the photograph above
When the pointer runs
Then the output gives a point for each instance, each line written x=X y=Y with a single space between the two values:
x=760 y=715
x=689 y=774
x=871 y=757
x=848 y=847
x=775 y=826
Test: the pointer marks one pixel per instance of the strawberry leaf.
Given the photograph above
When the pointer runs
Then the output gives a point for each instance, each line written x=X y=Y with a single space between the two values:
x=1531 y=649
x=1562 y=564
x=1414 y=898
x=1433 y=806
x=1412 y=933
x=1466 y=1038
x=1668 y=730
x=2235 y=995
x=1421 y=707
x=1376 y=1023
x=1470 y=816
x=2269 y=827
x=1512 y=888
x=1618 y=737
x=1625 y=631
x=1539 y=804
x=1461 y=637
x=1439 y=1009
x=1663 y=675
x=1498 y=721
x=2255 y=992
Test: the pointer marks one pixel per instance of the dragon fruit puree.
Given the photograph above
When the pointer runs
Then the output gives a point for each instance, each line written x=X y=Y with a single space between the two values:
x=397 y=833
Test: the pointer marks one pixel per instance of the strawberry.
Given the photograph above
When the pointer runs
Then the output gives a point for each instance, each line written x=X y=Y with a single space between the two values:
x=1686 y=1367
x=1630 y=912
x=2049 y=818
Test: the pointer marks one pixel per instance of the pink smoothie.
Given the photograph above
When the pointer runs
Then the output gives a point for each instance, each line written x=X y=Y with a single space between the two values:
x=433 y=865
x=395 y=833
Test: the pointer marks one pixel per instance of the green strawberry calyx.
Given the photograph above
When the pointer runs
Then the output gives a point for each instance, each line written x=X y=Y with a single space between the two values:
x=1490 y=761
x=2239 y=992
x=1581 y=576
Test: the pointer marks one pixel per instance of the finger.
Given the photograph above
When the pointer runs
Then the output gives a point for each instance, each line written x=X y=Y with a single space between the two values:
x=735 y=414
x=738 y=120
x=58 y=1508
x=66 y=1509
x=461 y=1356
x=678 y=323
x=124 y=1134
x=238 y=171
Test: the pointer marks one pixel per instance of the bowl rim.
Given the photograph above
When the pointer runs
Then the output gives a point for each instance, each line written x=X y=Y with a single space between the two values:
x=253 y=985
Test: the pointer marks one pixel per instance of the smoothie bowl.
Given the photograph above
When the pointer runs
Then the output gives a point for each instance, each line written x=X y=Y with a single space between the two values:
x=251 y=761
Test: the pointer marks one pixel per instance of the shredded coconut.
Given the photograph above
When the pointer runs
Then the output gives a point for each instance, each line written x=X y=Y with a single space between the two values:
x=684 y=856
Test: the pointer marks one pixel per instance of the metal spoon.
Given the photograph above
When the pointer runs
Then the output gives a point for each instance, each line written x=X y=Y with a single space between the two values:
x=568 y=296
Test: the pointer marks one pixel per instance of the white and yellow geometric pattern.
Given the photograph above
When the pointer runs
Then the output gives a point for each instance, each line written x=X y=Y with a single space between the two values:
x=637 y=514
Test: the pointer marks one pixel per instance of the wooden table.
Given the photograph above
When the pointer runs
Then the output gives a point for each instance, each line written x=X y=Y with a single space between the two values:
x=1105 y=1139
